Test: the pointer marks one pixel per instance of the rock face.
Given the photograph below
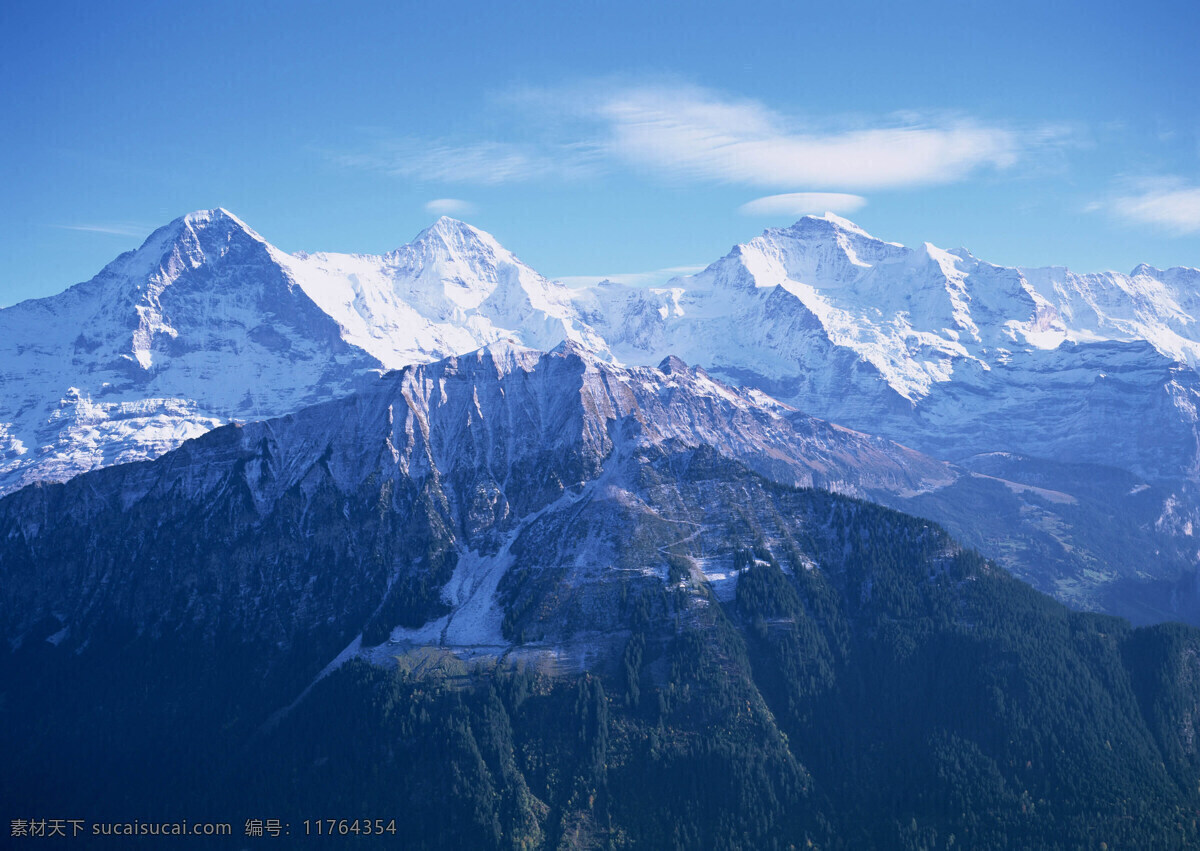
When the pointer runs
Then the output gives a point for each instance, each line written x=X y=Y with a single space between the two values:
x=396 y=505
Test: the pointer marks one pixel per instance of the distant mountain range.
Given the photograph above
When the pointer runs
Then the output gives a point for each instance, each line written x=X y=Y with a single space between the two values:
x=208 y=322
x=1067 y=401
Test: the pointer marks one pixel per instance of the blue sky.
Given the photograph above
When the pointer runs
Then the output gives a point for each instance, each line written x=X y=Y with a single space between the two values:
x=601 y=139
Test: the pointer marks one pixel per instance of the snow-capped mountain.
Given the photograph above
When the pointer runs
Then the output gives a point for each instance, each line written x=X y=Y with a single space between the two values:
x=450 y=291
x=935 y=348
x=206 y=322
x=197 y=326
x=646 y=593
x=1008 y=371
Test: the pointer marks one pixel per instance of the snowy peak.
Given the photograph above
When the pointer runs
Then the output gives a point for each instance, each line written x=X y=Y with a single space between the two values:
x=457 y=235
x=466 y=264
x=453 y=242
x=199 y=325
x=205 y=234
x=217 y=219
x=817 y=250
x=200 y=238
x=951 y=304
x=819 y=227
x=843 y=224
x=504 y=357
x=451 y=290
x=833 y=236
x=215 y=233
x=671 y=365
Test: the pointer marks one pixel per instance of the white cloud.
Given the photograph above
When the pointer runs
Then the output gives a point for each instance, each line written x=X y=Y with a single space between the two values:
x=1168 y=203
x=684 y=132
x=450 y=207
x=803 y=204
x=688 y=132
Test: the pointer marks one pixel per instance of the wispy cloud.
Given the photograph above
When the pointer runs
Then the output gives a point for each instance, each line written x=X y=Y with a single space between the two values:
x=1168 y=203
x=633 y=279
x=115 y=229
x=450 y=207
x=678 y=131
x=803 y=204
x=689 y=132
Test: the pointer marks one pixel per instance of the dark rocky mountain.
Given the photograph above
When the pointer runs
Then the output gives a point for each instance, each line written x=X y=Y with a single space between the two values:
x=447 y=464
x=517 y=599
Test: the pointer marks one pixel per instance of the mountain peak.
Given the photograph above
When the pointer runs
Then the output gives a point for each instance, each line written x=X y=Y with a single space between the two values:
x=202 y=233
x=445 y=225
x=569 y=348
x=216 y=214
x=218 y=222
x=506 y=356
x=845 y=224
x=830 y=223
x=189 y=241
x=672 y=365
x=455 y=234
x=450 y=241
